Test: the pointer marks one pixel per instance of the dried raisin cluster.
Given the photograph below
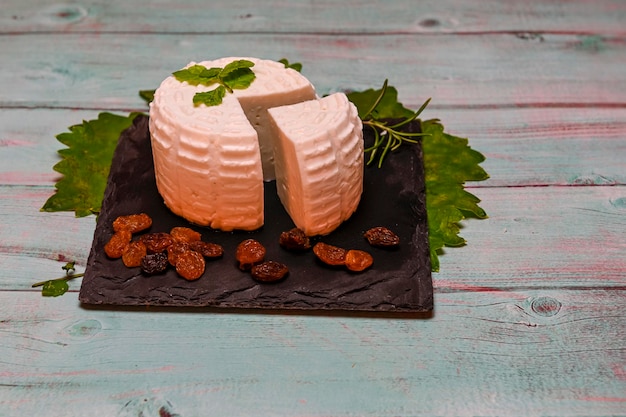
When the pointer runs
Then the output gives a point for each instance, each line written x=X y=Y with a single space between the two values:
x=181 y=248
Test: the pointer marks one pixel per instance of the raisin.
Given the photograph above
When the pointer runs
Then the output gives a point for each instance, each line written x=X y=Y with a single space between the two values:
x=269 y=271
x=381 y=236
x=133 y=222
x=249 y=253
x=184 y=234
x=358 y=260
x=294 y=240
x=206 y=249
x=329 y=254
x=190 y=265
x=154 y=263
x=156 y=242
x=176 y=249
x=118 y=243
x=134 y=254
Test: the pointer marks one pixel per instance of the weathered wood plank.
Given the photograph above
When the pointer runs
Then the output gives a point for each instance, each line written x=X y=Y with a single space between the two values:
x=535 y=237
x=525 y=146
x=517 y=353
x=104 y=71
x=301 y=16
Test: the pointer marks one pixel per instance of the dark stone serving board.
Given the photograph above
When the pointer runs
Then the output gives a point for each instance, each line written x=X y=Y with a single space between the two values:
x=399 y=280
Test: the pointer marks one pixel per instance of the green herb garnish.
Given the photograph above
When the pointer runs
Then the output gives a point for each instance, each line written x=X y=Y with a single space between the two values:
x=388 y=135
x=295 y=65
x=235 y=76
x=85 y=164
x=58 y=286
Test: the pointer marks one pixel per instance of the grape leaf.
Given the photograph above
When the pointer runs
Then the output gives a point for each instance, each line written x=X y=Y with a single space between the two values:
x=388 y=108
x=85 y=164
x=448 y=163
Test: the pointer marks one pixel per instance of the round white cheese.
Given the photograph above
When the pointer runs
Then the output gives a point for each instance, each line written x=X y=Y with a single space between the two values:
x=210 y=162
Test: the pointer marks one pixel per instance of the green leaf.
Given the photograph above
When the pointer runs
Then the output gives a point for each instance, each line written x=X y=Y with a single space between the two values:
x=210 y=98
x=235 y=66
x=54 y=288
x=239 y=79
x=388 y=108
x=85 y=164
x=198 y=75
x=147 y=95
x=448 y=163
x=295 y=66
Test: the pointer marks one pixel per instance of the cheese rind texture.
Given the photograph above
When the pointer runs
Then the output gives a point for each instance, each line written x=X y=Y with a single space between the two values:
x=319 y=161
x=210 y=162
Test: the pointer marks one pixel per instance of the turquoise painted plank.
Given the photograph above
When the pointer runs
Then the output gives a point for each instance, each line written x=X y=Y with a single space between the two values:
x=301 y=16
x=535 y=237
x=528 y=146
x=104 y=71
x=527 y=352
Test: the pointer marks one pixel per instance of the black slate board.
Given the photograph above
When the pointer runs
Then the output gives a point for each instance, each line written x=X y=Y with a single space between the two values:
x=399 y=281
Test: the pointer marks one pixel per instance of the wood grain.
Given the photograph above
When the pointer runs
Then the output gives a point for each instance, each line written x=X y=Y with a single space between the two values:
x=301 y=16
x=105 y=71
x=487 y=353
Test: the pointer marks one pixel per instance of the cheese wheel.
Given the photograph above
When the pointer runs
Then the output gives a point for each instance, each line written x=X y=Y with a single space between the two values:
x=210 y=162
x=319 y=161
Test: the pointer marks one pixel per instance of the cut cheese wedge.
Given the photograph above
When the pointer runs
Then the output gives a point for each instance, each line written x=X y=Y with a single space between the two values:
x=319 y=161
x=210 y=162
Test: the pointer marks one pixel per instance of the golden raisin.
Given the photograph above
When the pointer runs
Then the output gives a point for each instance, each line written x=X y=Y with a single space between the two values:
x=133 y=255
x=184 y=234
x=358 y=260
x=118 y=243
x=382 y=237
x=133 y=222
x=249 y=253
x=176 y=249
x=206 y=249
x=294 y=240
x=329 y=254
x=190 y=265
x=269 y=271
x=156 y=242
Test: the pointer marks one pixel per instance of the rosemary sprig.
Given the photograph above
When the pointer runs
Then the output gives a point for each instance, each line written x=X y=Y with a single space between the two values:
x=388 y=137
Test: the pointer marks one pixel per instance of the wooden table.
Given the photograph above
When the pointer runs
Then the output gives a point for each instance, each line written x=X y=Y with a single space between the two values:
x=529 y=317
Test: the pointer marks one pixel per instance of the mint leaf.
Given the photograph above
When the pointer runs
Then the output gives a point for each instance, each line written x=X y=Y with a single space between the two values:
x=210 y=98
x=235 y=66
x=239 y=79
x=295 y=66
x=198 y=75
x=85 y=164
x=235 y=75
